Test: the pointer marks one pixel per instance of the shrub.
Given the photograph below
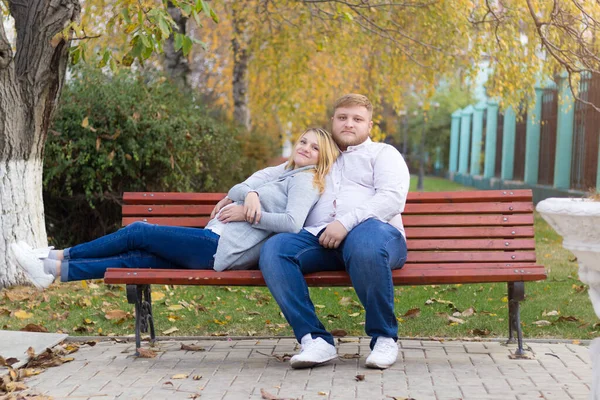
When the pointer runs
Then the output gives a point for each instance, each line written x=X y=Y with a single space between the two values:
x=130 y=133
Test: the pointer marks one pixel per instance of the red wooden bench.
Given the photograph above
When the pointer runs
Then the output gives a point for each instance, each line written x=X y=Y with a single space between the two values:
x=453 y=237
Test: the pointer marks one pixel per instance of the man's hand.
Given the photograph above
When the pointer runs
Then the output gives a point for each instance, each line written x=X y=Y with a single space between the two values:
x=252 y=208
x=232 y=214
x=225 y=201
x=333 y=235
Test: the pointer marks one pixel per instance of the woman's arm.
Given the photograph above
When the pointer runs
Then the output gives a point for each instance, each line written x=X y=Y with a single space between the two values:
x=239 y=191
x=301 y=197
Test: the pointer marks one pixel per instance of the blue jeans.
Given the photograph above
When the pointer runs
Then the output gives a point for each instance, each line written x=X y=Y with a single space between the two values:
x=141 y=245
x=369 y=254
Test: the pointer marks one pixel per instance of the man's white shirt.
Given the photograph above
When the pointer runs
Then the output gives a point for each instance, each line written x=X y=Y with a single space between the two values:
x=370 y=180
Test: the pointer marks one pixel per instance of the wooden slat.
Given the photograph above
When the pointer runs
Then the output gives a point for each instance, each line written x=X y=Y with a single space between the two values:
x=405 y=276
x=468 y=208
x=471 y=196
x=474 y=244
x=467 y=220
x=171 y=198
x=197 y=222
x=470 y=232
x=471 y=256
x=167 y=210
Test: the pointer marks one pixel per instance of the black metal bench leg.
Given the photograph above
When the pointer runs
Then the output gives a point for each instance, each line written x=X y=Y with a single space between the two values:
x=140 y=296
x=516 y=293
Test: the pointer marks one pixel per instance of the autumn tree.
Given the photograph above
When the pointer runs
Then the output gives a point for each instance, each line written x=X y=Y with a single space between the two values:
x=32 y=73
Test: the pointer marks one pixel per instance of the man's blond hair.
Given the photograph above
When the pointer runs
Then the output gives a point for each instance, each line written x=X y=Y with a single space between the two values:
x=354 y=99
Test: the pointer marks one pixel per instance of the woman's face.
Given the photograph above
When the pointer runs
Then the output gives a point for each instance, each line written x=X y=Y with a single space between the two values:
x=306 y=151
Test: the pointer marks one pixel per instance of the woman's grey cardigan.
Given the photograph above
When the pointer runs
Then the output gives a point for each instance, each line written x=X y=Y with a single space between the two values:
x=285 y=203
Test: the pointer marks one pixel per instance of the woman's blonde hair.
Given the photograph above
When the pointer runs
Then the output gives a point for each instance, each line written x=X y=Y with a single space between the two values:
x=328 y=153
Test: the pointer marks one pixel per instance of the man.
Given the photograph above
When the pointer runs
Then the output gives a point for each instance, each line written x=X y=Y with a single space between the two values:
x=355 y=226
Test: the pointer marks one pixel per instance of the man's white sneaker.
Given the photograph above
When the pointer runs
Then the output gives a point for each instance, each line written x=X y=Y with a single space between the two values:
x=384 y=353
x=32 y=266
x=313 y=352
x=40 y=253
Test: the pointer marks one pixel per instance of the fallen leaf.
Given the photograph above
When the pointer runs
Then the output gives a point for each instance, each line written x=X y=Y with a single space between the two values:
x=359 y=378
x=268 y=396
x=348 y=340
x=412 y=313
x=319 y=306
x=456 y=320
x=33 y=328
x=22 y=314
x=480 y=332
x=346 y=301
x=30 y=352
x=85 y=123
x=356 y=314
x=175 y=307
x=322 y=393
x=170 y=330
x=552 y=313
x=180 y=376
x=339 y=332
x=197 y=377
x=570 y=318
x=168 y=383
x=156 y=296
x=191 y=347
x=349 y=356
x=116 y=315
x=468 y=312
x=542 y=322
x=15 y=386
x=146 y=353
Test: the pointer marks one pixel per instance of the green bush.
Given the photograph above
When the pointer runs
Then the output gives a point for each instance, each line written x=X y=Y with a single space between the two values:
x=130 y=133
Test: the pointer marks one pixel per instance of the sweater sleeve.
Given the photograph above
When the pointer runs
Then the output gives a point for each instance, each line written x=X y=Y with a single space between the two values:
x=301 y=197
x=239 y=191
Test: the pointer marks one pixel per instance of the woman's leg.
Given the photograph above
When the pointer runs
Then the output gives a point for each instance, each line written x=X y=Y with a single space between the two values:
x=94 y=268
x=191 y=248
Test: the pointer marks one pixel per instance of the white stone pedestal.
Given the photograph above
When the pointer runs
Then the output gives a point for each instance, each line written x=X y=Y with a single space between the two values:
x=578 y=222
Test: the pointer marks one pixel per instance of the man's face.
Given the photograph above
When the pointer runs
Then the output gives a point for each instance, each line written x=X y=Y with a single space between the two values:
x=351 y=126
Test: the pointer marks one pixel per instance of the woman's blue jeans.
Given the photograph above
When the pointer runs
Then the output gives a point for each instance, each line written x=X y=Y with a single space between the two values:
x=141 y=245
x=369 y=254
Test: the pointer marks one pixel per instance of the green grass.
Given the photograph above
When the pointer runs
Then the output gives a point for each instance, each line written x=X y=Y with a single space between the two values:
x=248 y=311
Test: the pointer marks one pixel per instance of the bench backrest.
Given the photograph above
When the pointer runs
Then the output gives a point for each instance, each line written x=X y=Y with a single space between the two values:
x=493 y=227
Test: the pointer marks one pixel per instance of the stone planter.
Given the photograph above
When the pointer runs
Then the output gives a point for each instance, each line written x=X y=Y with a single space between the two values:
x=578 y=222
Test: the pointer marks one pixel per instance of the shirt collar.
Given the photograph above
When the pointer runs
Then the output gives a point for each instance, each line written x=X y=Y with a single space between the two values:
x=359 y=146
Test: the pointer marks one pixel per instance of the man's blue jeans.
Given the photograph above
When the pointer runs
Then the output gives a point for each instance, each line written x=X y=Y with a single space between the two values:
x=369 y=254
x=141 y=245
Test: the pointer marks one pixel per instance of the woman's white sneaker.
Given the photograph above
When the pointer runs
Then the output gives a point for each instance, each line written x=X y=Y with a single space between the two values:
x=40 y=253
x=313 y=352
x=32 y=266
x=384 y=354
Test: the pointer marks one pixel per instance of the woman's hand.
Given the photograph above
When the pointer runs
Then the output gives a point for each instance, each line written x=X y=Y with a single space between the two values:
x=224 y=202
x=252 y=208
x=232 y=214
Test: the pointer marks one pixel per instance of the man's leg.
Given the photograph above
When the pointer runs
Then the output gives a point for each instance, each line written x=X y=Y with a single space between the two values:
x=284 y=259
x=371 y=251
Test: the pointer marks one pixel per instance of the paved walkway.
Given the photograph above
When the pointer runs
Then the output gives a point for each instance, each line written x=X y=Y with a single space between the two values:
x=241 y=369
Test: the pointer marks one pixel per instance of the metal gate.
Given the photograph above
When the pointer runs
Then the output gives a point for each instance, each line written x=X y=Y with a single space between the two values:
x=548 y=137
x=499 y=135
x=586 y=130
x=520 y=141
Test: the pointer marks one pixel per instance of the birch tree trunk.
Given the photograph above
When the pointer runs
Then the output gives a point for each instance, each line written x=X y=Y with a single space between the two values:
x=31 y=80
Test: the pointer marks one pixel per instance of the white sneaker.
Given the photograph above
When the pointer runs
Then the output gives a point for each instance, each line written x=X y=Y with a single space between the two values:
x=384 y=353
x=32 y=266
x=40 y=253
x=313 y=352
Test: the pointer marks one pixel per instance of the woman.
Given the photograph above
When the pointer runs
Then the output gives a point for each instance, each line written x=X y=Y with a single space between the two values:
x=231 y=240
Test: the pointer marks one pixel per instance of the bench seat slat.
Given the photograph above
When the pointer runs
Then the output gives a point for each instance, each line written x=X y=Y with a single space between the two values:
x=409 y=275
x=467 y=220
x=469 y=232
x=474 y=244
x=171 y=198
x=168 y=210
x=471 y=196
x=468 y=208
x=461 y=256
